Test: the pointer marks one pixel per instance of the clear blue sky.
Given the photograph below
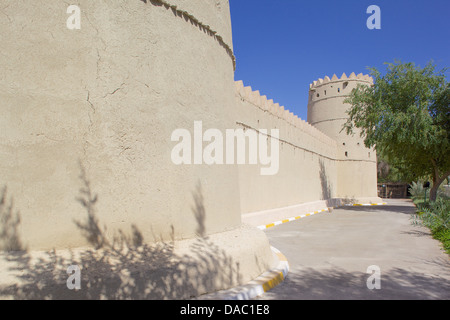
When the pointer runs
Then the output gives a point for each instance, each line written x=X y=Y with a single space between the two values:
x=281 y=46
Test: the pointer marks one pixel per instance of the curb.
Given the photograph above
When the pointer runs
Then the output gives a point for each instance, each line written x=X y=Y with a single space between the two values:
x=366 y=204
x=265 y=282
x=269 y=279
x=276 y=223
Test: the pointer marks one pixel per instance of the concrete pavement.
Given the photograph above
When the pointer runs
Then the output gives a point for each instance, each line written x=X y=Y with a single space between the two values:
x=329 y=255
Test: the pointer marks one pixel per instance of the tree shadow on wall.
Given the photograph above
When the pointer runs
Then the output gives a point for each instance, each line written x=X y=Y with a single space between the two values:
x=9 y=225
x=121 y=267
x=226 y=272
x=325 y=185
x=89 y=229
x=199 y=210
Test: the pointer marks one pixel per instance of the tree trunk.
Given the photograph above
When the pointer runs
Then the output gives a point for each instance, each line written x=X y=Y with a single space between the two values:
x=433 y=191
x=437 y=181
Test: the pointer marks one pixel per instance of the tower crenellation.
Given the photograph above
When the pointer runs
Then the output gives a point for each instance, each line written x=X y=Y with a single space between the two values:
x=327 y=87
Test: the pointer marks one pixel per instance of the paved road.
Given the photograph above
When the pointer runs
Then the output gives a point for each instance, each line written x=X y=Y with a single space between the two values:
x=329 y=254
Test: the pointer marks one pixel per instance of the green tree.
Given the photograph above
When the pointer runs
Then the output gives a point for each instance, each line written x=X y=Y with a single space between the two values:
x=386 y=172
x=405 y=115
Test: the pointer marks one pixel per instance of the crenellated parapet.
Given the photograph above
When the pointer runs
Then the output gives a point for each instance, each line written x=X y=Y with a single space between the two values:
x=334 y=87
x=334 y=78
x=268 y=105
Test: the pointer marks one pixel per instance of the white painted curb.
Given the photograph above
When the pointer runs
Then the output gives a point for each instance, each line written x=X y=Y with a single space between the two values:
x=365 y=204
x=276 y=223
x=265 y=282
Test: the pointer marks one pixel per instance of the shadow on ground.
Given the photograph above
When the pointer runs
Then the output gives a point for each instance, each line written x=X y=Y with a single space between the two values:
x=123 y=267
x=378 y=208
x=338 y=284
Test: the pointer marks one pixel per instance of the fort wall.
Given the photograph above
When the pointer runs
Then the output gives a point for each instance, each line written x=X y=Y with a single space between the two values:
x=320 y=166
x=307 y=166
x=86 y=126
x=87 y=119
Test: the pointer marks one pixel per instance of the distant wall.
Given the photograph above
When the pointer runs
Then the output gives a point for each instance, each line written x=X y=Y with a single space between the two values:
x=315 y=171
x=307 y=169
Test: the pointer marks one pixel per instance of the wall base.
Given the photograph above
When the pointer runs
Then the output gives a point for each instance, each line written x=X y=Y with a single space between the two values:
x=179 y=270
x=265 y=217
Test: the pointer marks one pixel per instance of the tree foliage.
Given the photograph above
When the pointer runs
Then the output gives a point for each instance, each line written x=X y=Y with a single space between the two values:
x=405 y=115
x=387 y=172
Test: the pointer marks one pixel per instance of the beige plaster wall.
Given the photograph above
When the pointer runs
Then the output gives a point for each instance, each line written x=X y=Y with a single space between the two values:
x=94 y=109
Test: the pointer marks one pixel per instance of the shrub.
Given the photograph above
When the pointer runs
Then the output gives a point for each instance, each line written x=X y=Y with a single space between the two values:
x=436 y=216
x=444 y=237
x=416 y=190
x=444 y=192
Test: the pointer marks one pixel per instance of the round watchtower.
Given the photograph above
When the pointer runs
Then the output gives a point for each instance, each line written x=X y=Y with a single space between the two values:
x=327 y=112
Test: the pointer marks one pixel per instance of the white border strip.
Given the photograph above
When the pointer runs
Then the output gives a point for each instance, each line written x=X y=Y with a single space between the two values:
x=265 y=282
x=276 y=223
x=365 y=204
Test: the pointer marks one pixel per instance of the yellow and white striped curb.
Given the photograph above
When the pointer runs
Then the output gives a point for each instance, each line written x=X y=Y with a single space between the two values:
x=276 y=223
x=265 y=282
x=366 y=204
